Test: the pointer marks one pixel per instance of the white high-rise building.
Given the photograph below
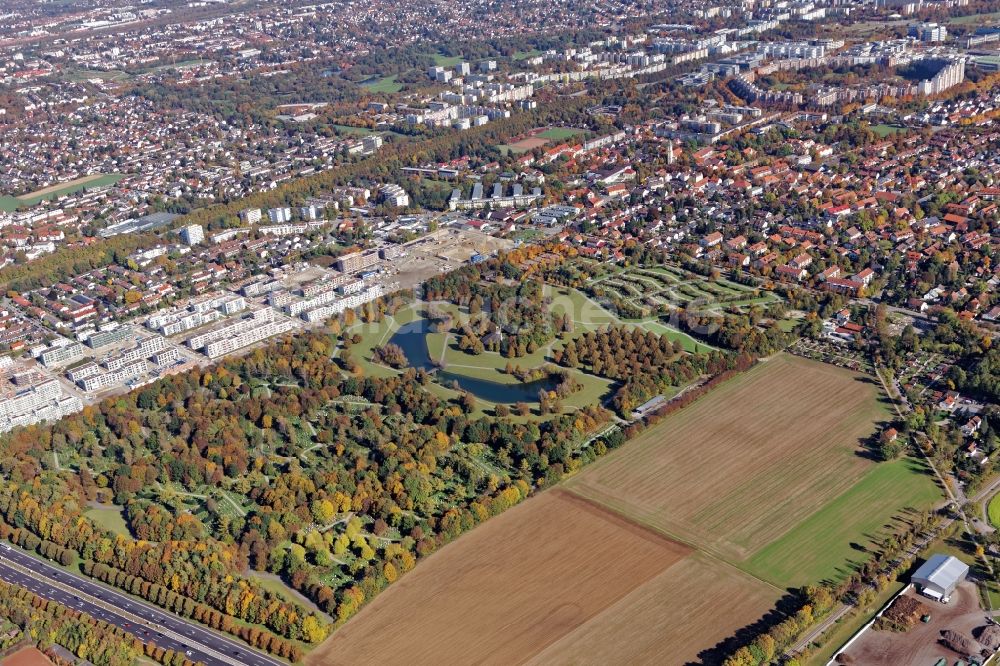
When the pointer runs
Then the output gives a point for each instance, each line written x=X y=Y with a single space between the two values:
x=250 y=215
x=192 y=234
x=279 y=215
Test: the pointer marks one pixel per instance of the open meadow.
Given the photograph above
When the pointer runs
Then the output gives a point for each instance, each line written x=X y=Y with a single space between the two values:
x=385 y=84
x=490 y=366
x=825 y=545
x=747 y=463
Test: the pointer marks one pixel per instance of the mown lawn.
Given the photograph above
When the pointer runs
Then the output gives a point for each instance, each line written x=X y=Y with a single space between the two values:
x=993 y=510
x=826 y=546
x=387 y=84
x=884 y=130
x=560 y=133
x=109 y=519
x=442 y=60
x=690 y=344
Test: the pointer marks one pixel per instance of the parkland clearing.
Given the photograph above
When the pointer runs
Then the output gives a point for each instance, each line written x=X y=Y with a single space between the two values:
x=763 y=485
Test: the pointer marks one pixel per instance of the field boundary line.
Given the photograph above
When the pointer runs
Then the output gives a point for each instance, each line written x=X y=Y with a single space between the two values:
x=601 y=511
x=664 y=534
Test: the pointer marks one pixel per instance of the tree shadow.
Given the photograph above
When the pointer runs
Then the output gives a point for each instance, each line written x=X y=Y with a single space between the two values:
x=785 y=607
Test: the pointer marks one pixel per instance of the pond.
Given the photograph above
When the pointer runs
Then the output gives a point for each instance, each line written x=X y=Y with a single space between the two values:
x=412 y=339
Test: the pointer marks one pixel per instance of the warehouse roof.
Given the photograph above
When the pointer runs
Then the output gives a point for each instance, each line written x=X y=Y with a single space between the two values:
x=943 y=571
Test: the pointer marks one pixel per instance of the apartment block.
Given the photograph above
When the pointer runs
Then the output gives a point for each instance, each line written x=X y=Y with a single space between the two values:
x=33 y=398
x=61 y=355
x=250 y=215
x=356 y=261
x=353 y=300
x=192 y=234
x=104 y=380
x=143 y=350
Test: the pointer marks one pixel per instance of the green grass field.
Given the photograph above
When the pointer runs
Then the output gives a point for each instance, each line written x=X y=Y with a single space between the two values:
x=825 y=545
x=353 y=131
x=560 y=133
x=9 y=204
x=585 y=311
x=787 y=325
x=442 y=60
x=374 y=335
x=524 y=55
x=976 y=19
x=672 y=334
x=109 y=519
x=993 y=511
x=884 y=130
x=387 y=84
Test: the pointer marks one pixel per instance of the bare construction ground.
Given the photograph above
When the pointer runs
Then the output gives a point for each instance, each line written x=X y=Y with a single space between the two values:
x=921 y=644
x=443 y=250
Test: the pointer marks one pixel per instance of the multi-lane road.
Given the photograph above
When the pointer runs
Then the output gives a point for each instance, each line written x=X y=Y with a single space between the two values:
x=147 y=622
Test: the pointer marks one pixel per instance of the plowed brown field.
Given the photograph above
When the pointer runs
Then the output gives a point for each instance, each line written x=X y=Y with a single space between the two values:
x=506 y=590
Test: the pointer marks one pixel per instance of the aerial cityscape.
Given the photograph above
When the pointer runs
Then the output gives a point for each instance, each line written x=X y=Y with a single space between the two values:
x=500 y=332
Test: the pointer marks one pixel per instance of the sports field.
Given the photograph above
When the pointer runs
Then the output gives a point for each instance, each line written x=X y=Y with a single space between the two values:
x=524 y=145
x=9 y=203
x=504 y=592
x=560 y=133
x=993 y=511
x=747 y=463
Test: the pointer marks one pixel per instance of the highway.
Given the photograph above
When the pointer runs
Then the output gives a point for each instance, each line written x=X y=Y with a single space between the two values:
x=147 y=622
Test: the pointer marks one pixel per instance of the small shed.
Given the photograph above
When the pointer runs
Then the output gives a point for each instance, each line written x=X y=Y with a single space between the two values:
x=938 y=577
